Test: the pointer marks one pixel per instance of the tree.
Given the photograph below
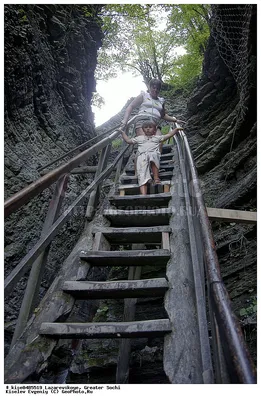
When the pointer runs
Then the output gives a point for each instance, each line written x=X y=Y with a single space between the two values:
x=135 y=41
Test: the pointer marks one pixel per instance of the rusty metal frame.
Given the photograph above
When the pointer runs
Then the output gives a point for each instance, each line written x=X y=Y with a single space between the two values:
x=238 y=362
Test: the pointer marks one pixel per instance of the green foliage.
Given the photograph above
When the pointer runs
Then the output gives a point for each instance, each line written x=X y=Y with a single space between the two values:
x=23 y=17
x=143 y=38
x=101 y=314
x=250 y=310
x=165 y=129
x=97 y=100
x=116 y=143
x=186 y=70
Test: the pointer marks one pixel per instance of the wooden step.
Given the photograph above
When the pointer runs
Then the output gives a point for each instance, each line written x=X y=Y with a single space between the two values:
x=151 y=328
x=126 y=258
x=164 y=167
x=116 y=289
x=135 y=189
x=167 y=156
x=140 y=234
x=166 y=162
x=138 y=217
x=133 y=179
x=146 y=202
x=167 y=148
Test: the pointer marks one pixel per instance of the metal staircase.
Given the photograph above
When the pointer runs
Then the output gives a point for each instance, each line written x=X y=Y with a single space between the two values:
x=178 y=235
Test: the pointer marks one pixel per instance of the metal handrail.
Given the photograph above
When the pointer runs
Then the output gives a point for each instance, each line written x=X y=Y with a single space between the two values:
x=26 y=194
x=238 y=361
x=80 y=147
x=38 y=254
x=23 y=196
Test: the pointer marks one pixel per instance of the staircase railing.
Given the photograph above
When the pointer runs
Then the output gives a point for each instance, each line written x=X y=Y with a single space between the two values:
x=232 y=362
x=37 y=256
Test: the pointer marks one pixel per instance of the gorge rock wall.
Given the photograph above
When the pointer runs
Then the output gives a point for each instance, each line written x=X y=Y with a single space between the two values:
x=50 y=58
x=222 y=119
x=221 y=128
x=223 y=141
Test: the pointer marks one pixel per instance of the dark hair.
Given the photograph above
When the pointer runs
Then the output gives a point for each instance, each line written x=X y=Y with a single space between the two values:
x=149 y=122
x=156 y=82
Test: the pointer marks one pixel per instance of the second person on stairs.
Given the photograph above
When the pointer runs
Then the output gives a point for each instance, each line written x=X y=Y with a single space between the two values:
x=148 y=153
x=151 y=107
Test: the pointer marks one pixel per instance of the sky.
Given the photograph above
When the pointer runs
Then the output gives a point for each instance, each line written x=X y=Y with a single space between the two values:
x=118 y=90
x=115 y=93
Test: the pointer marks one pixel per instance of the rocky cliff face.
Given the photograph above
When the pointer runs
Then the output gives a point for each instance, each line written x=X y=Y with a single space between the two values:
x=221 y=125
x=50 y=58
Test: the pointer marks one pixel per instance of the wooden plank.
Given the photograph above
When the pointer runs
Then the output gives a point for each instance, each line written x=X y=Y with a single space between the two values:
x=100 y=242
x=164 y=166
x=140 y=234
x=93 y=199
x=166 y=163
x=167 y=148
x=166 y=188
x=135 y=189
x=181 y=357
x=223 y=214
x=126 y=258
x=151 y=212
x=133 y=186
x=165 y=157
x=138 y=217
x=31 y=351
x=165 y=240
x=151 y=328
x=148 y=201
x=119 y=166
x=116 y=289
x=33 y=285
x=129 y=179
x=122 y=371
x=108 y=230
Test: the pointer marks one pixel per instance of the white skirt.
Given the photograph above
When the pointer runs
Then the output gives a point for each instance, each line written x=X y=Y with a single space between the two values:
x=143 y=165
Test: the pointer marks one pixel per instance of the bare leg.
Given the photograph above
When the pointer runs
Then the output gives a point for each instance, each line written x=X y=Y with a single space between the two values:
x=143 y=189
x=155 y=172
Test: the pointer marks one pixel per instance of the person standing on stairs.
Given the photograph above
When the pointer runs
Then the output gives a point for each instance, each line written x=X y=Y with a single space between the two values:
x=148 y=153
x=151 y=107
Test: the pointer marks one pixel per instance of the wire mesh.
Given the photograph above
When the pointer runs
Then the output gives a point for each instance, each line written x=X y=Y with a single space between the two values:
x=231 y=31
